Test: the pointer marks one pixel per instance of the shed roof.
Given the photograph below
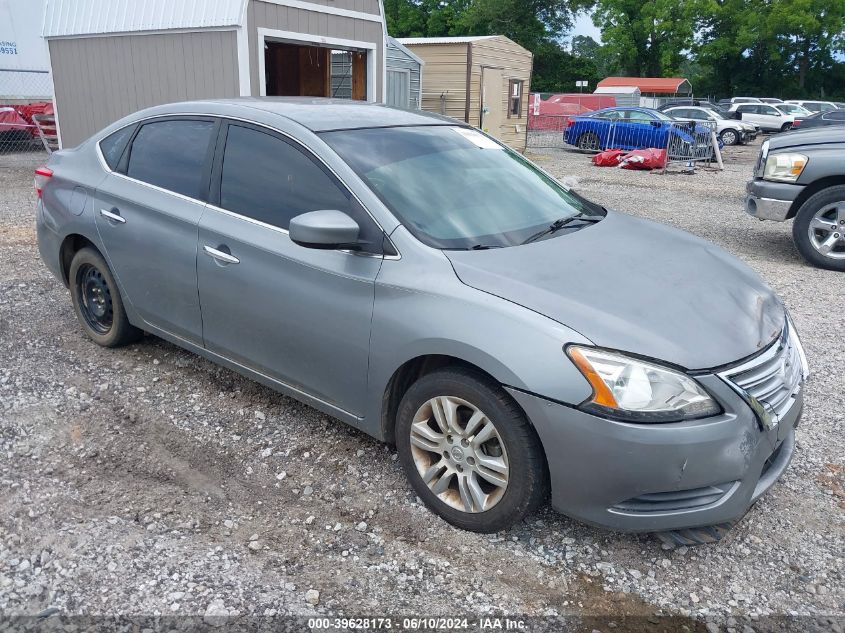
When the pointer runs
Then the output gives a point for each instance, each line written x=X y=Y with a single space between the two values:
x=616 y=90
x=392 y=41
x=411 y=41
x=658 y=85
x=64 y=18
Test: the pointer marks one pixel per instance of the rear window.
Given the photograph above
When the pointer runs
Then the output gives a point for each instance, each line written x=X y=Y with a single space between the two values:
x=113 y=145
x=171 y=155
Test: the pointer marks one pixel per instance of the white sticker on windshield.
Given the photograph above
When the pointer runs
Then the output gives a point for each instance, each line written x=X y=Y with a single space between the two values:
x=477 y=138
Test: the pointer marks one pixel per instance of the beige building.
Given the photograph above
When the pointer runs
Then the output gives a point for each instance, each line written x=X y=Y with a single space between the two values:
x=484 y=81
x=113 y=57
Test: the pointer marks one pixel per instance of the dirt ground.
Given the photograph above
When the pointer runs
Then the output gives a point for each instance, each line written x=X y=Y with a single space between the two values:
x=148 y=481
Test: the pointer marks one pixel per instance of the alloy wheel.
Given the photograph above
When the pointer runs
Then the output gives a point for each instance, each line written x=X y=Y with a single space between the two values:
x=459 y=454
x=95 y=299
x=589 y=142
x=827 y=231
x=729 y=137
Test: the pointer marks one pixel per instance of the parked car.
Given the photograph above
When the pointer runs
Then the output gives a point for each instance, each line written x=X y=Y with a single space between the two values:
x=793 y=110
x=636 y=128
x=813 y=106
x=768 y=117
x=735 y=100
x=730 y=131
x=415 y=278
x=820 y=119
x=799 y=176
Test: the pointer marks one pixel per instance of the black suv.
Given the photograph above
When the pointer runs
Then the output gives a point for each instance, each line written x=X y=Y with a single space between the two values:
x=801 y=175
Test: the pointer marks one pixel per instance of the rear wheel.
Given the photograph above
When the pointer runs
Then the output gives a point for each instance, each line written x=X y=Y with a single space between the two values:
x=786 y=127
x=469 y=452
x=730 y=137
x=819 y=229
x=589 y=141
x=97 y=302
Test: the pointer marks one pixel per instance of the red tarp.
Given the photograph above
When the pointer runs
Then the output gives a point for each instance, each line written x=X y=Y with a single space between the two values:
x=609 y=158
x=11 y=120
x=25 y=112
x=644 y=159
x=637 y=159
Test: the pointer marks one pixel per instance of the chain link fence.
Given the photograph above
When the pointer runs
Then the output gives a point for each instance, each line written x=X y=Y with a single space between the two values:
x=27 y=121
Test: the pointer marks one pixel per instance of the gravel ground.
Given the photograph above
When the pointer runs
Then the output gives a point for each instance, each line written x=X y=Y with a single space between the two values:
x=149 y=481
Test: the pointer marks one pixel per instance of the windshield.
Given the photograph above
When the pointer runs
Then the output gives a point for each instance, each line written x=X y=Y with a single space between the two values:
x=788 y=108
x=455 y=188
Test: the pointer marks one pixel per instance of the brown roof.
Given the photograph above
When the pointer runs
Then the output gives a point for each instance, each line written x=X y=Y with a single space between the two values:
x=660 y=85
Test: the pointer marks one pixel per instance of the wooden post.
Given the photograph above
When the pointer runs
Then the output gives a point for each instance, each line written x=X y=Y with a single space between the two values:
x=359 y=77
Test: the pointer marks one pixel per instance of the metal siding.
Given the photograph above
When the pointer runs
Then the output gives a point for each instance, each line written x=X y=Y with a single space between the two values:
x=272 y=16
x=88 y=17
x=101 y=79
x=397 y=59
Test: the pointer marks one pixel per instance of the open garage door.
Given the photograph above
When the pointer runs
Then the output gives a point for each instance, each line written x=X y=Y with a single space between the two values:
x=302 y=70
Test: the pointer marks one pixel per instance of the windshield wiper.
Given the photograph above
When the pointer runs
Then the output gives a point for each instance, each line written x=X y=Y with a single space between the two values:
x=484 y=247
x=557 y=225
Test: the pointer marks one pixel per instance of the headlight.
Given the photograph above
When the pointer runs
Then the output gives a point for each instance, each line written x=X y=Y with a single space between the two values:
x=784 y=167
x=637 y=391
x=764 y=149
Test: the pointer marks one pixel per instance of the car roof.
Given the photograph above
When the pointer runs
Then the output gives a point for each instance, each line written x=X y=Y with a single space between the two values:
x=316 y=114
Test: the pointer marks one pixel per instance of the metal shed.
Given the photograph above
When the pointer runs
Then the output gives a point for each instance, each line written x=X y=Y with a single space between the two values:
x=626 y=96
x=403 y=79
x=112 y=57
x=484 y=81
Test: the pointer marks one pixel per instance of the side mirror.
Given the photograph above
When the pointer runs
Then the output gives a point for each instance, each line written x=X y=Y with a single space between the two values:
x=325 y=230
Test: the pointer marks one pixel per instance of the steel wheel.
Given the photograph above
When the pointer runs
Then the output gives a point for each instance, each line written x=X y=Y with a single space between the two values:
x=459 y=454
x=95 y=299
x=827 y=231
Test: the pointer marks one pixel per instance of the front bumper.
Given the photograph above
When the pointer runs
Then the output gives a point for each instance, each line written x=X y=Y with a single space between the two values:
x=770 y=200
x=650 y=478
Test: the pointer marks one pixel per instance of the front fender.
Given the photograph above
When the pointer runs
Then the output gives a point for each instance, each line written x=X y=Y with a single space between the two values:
x=438 y=315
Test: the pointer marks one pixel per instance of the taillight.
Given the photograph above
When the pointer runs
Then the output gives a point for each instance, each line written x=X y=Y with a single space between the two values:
x=42 y=177
x=570 y=123
x=796 y=123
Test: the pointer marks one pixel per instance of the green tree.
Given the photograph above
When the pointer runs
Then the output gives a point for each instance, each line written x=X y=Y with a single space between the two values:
x=648 y=37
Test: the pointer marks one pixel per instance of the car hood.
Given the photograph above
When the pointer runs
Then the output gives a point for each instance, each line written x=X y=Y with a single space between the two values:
x=636 y=286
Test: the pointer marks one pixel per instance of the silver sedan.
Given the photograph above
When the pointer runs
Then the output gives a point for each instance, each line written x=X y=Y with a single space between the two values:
x=418 y=280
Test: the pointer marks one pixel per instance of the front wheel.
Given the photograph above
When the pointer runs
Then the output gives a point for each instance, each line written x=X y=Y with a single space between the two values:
x=819 y=229
x=469 y=452
x=589 y=142
x=729 y=137
x=786 y=127
x=97 y=302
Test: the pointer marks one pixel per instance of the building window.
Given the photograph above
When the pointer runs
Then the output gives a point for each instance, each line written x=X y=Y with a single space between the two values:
x=515 y=99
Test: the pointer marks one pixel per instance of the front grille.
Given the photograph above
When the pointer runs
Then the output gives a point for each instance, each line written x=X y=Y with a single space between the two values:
x=675 y=500
x=771 y=381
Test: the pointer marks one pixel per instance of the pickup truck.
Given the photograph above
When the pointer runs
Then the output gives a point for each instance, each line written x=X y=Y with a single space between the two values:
x=800 y=176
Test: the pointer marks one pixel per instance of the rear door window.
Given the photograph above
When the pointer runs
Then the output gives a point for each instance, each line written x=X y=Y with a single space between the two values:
x=113 y=145
x=172 y=155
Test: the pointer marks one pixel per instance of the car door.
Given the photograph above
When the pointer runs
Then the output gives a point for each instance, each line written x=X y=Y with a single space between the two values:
x=300 y=316
x=770 y=118
x=147 y=211
x=642 y=130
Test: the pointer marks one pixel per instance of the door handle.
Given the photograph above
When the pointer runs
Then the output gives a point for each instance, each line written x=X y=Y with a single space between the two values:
x=114 y=217
x=220 y=256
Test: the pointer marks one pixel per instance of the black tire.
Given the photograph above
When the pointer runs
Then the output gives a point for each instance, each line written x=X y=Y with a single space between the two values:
x=786 y=127
x=102 y=317
x=589 y=141
x=801 y=228
x=527 y=479
x=730 y=137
